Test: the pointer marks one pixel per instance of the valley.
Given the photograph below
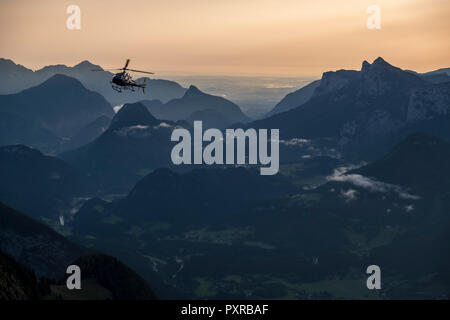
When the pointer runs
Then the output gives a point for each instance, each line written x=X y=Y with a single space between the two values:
x=362 y=178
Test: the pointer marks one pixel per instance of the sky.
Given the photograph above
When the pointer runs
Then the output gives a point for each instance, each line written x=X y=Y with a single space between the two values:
x=228 y=37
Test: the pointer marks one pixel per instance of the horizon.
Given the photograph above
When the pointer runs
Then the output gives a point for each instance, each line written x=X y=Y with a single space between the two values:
x=261 y=38
x=224 y=75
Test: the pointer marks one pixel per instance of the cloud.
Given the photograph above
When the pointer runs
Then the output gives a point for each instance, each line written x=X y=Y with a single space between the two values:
x=117 y=108
x=163 y=125
x=349 y=195
x=295 y=142
x=369 y=184
x=138 y=131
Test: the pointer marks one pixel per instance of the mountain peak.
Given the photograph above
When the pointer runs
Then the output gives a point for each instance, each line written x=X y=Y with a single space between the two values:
x=365 y=65
x=4 y=61
x=86 y=65
x=8 y=65
x=381 y=77
x=379 y=64
x=193 y=92
x=60 y=81
x=380 y=60
x=335 y=80
x=132 y=114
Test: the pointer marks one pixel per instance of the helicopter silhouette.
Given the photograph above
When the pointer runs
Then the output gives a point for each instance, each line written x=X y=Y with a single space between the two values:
x=123 y=80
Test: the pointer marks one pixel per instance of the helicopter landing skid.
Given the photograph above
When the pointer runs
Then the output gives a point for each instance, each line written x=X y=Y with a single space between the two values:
x=116 y=88
x=121 y=88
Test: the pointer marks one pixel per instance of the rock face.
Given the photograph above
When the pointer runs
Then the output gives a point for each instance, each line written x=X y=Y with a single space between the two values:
x=428 y=102
x=295 y=99
x=367 y=111
x=337 y=80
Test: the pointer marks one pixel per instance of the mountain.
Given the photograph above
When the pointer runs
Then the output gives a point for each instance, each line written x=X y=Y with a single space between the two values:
x=154 y=216
x=445 y=71
x=16 y=78
x=196 y=103
x=113 y=275
x=40 y=185
x=382 y=214
x=210 y=119
x=133 y=115
x=160 y=89
x=16 y=281
x=200 y=195
x=134 y=144
x=271 y=241
x=153 y=106
x=88 y=133
x=35 y=245
x=437 y=76
x=17 y=130
x=294 y=99
x=61 y=105
x=41 y=251
x=419 y=162
x=380 y=104
x=196 y=197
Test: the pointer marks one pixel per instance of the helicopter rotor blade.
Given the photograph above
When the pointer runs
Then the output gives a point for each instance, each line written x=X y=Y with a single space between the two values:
x=126 y=63
x=141 y=71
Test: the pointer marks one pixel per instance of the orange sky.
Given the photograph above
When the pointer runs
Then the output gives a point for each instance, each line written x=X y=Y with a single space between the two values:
x=270 y=37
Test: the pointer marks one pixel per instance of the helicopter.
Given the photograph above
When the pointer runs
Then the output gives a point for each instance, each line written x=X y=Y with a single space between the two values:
x=123 y=80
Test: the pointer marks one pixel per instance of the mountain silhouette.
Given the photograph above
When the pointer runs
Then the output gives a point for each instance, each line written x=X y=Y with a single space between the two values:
x=196 y=103
x=300 y=96
x=133 y=115
x=40 y=185
x=196 y=197
x=16 y=78
x=88 y=133
x=43 y=252
x=294 y=99
x=134 y=144
x=61 y=105
x=381 y=104
x=420 y=162
x=17 y=130
x=35 y=245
